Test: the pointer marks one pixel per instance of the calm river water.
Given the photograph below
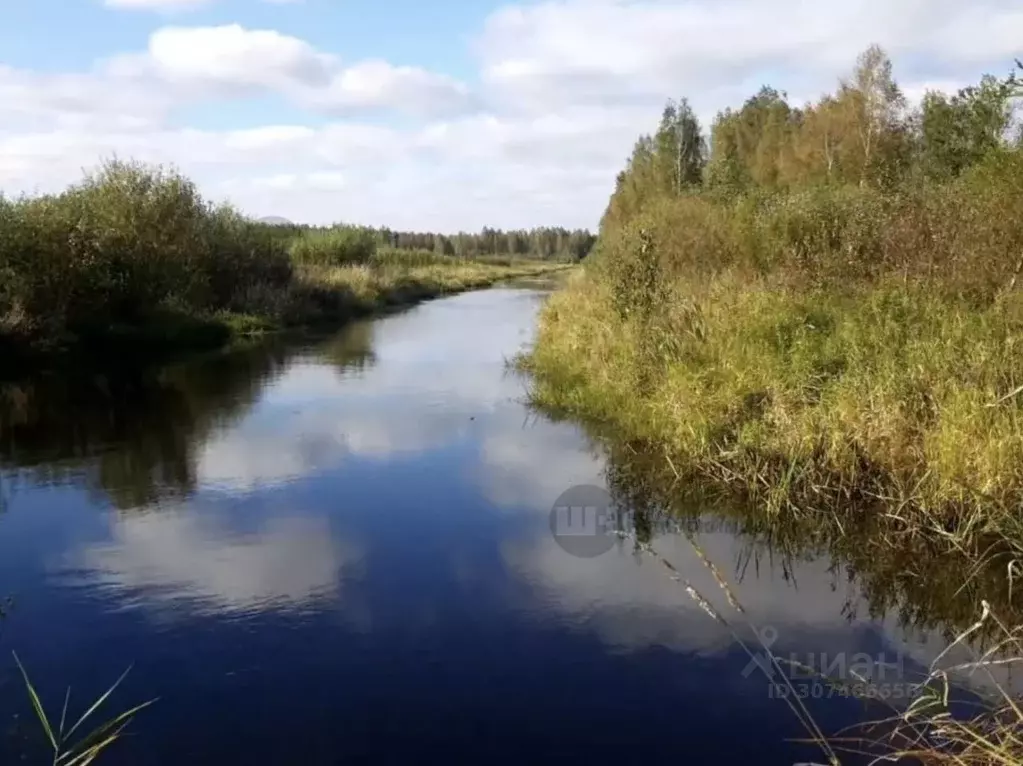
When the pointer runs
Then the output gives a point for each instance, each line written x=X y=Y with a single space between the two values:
x=341 y=552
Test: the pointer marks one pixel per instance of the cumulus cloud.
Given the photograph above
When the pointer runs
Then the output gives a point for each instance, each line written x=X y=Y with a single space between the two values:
x=321 y=181
x=378 y=84
x=536 y=137
x=233 y=56
x=623 y=52
x=33 y=102
x=231 y=60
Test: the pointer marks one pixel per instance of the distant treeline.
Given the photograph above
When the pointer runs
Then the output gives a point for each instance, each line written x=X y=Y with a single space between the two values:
x=549 y=243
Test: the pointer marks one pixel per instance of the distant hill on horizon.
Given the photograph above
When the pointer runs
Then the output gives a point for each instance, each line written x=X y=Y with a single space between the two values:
x=275 y=220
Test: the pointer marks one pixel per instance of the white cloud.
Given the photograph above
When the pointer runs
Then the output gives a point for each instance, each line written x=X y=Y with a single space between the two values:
x=231 y=60
x=268 y=136
x=562 y=90
x=233 y=56
x=615 y=51
x=378 y=84
x=322 y=181
x=223 y=162
x=33 y=102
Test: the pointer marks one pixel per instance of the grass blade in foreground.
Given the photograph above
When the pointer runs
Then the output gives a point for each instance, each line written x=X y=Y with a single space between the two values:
x=85 y=751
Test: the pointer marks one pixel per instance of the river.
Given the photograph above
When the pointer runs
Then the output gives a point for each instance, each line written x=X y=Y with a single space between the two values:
x=341 y=551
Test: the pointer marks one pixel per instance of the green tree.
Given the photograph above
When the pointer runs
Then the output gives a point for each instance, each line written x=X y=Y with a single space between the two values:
x=878 y=106
x=859 y=135
x=681 y=151
x=958 y=131
x=754 y=145
x=822 y=144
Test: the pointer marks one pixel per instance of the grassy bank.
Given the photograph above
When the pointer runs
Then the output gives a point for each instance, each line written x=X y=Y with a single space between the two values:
x=809 y=396
x=331 y=294
x=805 y=348
x=134 y=259
x=822 y=314
x=814 y=339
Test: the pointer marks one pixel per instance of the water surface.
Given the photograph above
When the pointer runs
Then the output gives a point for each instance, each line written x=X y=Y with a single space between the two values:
x=339 y=551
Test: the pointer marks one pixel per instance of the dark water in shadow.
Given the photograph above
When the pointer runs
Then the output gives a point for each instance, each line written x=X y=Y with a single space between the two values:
x=340 y=552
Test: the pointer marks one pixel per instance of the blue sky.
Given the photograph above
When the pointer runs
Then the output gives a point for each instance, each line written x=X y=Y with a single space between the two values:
x=442 y=115
x=430 y=34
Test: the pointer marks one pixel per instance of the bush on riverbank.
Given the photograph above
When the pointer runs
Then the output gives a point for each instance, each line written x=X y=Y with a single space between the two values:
x=134 y=252
x=336 y=246
x=122 y=247
x=843 y=325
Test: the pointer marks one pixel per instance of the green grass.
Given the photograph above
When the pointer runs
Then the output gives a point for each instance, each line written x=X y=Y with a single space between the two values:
x=317 y=297
x=890 y=391
x=689 y=440
x=134 y=260
x=832 y=342
x=332 y=294
x=67 y=749
x=335 y=246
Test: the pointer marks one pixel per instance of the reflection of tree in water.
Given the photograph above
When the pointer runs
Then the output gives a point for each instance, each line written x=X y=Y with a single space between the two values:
x=352 y=348
x=923 y=579
x=133 y=434
x=646 y=511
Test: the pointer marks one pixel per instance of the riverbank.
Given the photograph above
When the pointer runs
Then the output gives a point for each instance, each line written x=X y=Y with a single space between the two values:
x=878 y=422
x=814 y=340
x=133 y=261
x=319 y=297
x=831 y=337
x=808 y=399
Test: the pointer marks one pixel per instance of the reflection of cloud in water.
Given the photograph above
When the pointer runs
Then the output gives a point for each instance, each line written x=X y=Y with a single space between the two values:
x=631 y=601
x=291 y=446
x=171 y=556
x=416 y=397
x=528 y=464
x=251 y=455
